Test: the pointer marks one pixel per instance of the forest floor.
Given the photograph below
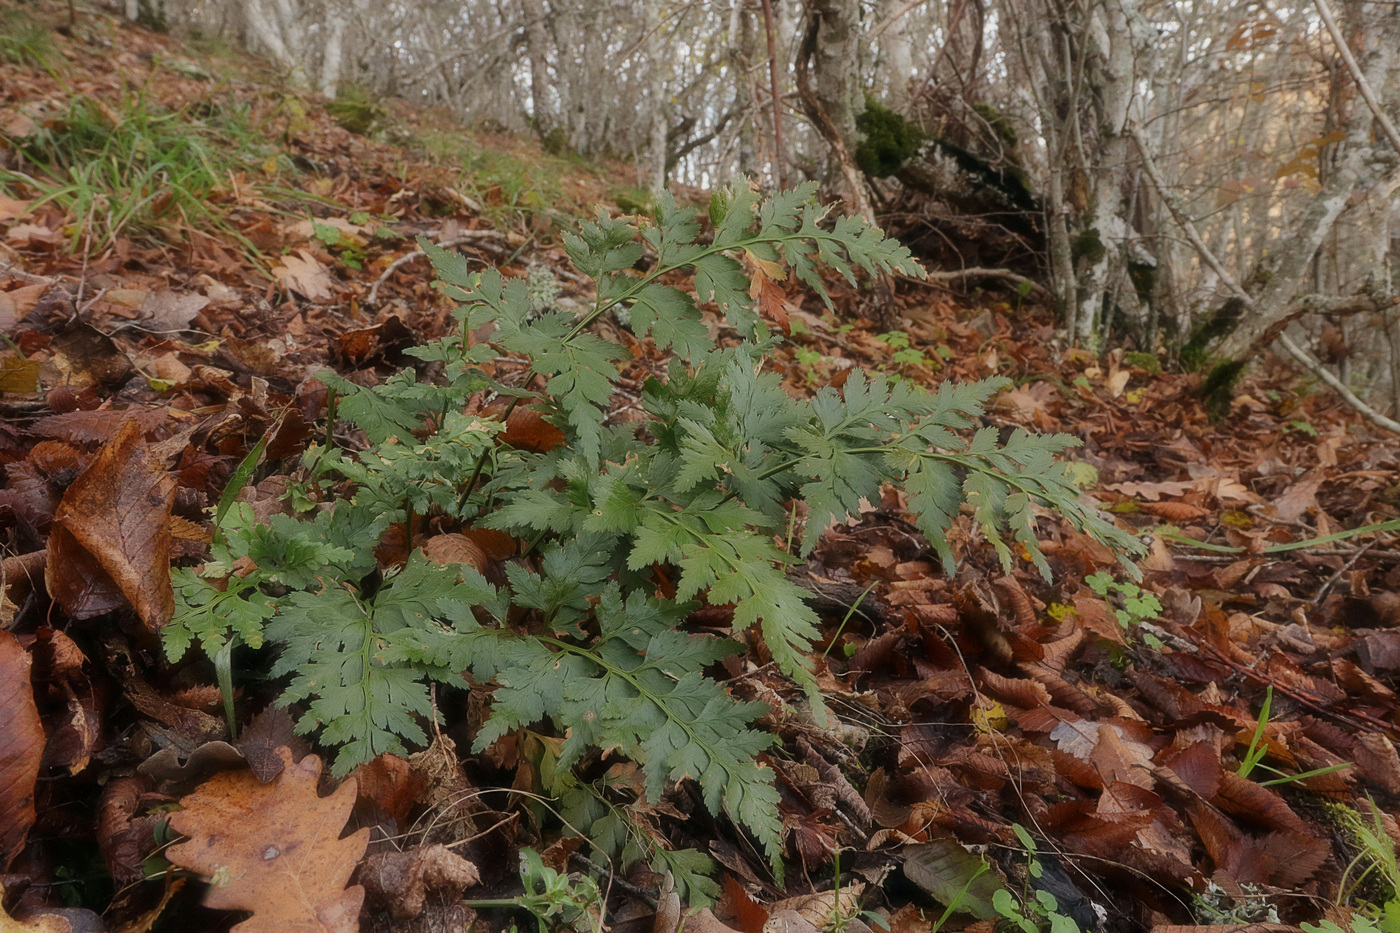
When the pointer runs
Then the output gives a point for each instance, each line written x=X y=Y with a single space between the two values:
x=184 y=243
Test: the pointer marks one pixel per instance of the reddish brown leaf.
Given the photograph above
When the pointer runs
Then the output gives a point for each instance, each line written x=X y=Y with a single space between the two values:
x=1376 y=758
x=390 y=784
x=1198 y=767
x=1243 y=798
x=526 y=429
x=111 y=535
x=275 y=849
x=1175 y=512
x=21 y=748
x=125 y=838
x=271 y=730
x=749 y=915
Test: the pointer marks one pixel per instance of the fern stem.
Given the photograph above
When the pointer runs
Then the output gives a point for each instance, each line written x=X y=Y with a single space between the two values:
x=481 y=461
x=640 y=283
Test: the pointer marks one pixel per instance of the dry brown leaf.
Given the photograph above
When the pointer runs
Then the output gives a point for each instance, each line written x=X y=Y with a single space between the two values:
x=1175 y=512
x=43 y=923
x=402 y=879
x=526 y=429
x=304 y=275
x=21 y=748
x=454 y=549
x=1299 y=498
x=110 y=543
x=274 y=849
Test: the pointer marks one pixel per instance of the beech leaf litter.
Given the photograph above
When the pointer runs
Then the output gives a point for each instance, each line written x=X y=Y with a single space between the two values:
x=1208 y=748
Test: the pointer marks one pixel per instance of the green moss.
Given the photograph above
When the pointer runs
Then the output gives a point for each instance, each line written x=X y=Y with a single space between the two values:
x=1001 y=125
x=634 y=200
x=1087 y=245
x=1219 y=388
x=889 y=140
x=1147 y=361
x=556 y=142
x=1196 y=350
x=355 y=110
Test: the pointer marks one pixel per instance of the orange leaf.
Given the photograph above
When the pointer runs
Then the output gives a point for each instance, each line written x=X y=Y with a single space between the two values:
x=110 y=543
x=1175 y=512
x=526 y=429
x=21 y=748
x=275 y=849
x=454 y=549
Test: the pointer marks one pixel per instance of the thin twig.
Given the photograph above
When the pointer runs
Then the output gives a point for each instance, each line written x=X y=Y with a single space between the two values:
x=1362 y=84
x=978 y=272
x=1322 y=590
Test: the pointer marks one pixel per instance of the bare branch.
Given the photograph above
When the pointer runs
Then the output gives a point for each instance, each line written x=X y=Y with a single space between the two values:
x=1362 y=84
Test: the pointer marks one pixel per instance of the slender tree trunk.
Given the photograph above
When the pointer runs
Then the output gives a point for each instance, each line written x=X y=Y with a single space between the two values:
x=896 y=54
x=537 y=46
x=1366 y=169
x=831 y=50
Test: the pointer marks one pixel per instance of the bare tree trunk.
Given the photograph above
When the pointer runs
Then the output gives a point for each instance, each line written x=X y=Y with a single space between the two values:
x=656 y=98
x=831 y=49
x=338 y=17
x=896 y=63
x=1366 y=169
x=1118 y=43
x=537 y=46
x=743 y=52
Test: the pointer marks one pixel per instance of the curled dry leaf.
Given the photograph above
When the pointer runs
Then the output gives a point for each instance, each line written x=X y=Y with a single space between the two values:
x=402 y=880
x=44 y=923
x=21 y=748
x=110 y=543
x=275 y=849
x=454 y=549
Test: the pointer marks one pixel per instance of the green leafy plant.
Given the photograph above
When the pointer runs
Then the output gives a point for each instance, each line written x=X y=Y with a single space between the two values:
x=1035 y=908
x=1134 y=606
x=1259 y=749
x=623 y=531
x=557 y=900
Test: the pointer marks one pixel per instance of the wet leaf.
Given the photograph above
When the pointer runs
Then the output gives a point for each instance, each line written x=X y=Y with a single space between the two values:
x=946 y=870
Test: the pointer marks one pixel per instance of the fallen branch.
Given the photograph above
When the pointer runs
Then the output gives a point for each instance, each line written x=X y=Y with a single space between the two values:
x=977 y=272
x=458 y=240
x=10 y=270
x=1321 y=372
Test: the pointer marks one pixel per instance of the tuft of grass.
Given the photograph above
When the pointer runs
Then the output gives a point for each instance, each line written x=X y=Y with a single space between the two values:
x=509 y=185
x=25 y=42
x=139 y=169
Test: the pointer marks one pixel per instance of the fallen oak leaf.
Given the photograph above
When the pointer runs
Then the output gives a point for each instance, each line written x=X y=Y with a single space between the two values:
x=304 y=275
x=274 y=849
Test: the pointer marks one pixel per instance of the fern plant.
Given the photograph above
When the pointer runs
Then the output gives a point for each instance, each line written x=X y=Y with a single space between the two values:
x=623 y=531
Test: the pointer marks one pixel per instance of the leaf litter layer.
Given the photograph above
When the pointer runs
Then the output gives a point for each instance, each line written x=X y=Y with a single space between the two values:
x=1212 y=745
